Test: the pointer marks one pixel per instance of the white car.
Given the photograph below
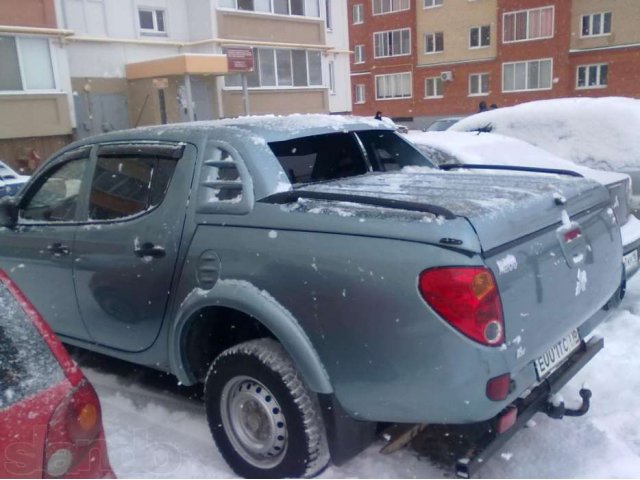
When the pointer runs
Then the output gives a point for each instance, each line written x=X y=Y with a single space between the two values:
x=10 y=181
x=488 y=149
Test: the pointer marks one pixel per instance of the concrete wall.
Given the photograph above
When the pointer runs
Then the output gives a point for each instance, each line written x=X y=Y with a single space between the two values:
x=625 y=19
x=338 y=38
x=277 y=101
x=27 y=115
x=454 y=18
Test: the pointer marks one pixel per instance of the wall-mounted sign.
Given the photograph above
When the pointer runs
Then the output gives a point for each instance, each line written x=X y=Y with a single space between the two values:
x=161 y=83
x=239 y=59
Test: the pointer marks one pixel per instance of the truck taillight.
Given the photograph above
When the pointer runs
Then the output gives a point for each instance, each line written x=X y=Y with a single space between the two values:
x=468 y=299
x=73 y=428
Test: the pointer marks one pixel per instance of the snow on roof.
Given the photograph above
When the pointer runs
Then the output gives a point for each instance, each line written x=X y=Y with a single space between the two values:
x=493 y=149
x=600 y=133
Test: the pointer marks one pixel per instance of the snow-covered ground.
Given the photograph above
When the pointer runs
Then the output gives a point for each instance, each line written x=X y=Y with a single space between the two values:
x=155 y=428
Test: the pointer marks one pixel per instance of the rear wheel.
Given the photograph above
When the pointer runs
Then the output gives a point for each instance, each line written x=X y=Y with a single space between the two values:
x=264 y=419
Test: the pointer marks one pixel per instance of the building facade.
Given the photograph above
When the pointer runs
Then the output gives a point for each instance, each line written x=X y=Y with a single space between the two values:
x=36 y=108
x=502 y=52
x=142 y=62
x=126 y=63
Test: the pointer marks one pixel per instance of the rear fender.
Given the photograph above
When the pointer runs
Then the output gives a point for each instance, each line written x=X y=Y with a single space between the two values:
x=245 y=297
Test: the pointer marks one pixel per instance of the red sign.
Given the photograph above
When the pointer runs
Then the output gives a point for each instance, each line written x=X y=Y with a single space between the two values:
x=239 y=59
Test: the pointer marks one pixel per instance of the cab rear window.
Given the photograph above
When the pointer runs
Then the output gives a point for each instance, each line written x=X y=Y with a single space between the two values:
x=27 y=365
x=331 y=156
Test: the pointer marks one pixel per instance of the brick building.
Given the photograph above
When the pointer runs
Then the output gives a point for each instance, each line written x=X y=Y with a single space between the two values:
x=496 y=51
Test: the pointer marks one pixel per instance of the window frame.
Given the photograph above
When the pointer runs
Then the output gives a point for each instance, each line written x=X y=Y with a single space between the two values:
x=387 y=33
x=360 y=94
x=278 y=86
x=21 y=70
x=528 y=12
x=438 y=88
x=602 y=24
x=388 y=75
x=434 y=35
x=273 y=12
x=358 y=58
x=599 y=76
x=480 y=93
x=154 y=31
x=480 y=37
x=359 y=18
x=526 y=63
x=391 y=9
x=433 y=4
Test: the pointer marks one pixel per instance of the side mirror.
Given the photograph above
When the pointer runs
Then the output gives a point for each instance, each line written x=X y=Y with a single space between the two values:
x=8 y=213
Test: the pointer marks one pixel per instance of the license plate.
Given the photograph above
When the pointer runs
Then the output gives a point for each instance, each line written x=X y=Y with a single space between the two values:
x=630 y=260
x=553 y=357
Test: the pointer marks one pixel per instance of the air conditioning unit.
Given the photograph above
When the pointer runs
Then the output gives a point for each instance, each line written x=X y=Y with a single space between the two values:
x=446 y=76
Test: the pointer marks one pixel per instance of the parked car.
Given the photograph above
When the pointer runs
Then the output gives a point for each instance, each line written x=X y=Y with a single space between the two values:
x=442 y=124
x=490 y=149
x=10 y=181
x=49 y=412
x=599 y=133
x=313 y=286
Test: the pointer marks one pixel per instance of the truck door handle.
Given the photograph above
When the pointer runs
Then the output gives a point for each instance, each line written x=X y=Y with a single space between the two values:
x=58 y=249
x=148 y=249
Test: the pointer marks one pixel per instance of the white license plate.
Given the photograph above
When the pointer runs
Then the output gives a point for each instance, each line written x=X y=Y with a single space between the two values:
x=553 y=357
x=630 y=260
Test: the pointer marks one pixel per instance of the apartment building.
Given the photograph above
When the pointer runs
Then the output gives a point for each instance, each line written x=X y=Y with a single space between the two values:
x=504 y=52
x=36 y=114
x=142 y=62
x=382 y=38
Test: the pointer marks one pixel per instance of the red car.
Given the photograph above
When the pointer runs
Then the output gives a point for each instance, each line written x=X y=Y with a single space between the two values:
x=50 y=419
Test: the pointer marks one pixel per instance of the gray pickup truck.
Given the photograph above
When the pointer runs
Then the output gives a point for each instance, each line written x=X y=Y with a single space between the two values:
x=320 y=276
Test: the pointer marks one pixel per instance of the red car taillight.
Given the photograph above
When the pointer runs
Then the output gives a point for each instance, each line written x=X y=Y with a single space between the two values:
x=72 y=430
x=468 y=299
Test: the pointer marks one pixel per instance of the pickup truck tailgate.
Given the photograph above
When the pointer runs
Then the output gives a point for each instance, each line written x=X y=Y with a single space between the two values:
x=551 y=241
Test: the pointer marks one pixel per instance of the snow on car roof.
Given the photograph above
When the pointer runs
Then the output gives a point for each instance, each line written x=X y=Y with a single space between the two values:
x=494 y=149
x=279 y=127
x=600 y=133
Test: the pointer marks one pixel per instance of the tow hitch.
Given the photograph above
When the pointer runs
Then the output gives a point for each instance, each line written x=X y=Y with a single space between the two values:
x=474 y=444
x=559 y=411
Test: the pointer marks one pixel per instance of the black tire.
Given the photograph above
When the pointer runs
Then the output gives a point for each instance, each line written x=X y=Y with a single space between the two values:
x=265 y=421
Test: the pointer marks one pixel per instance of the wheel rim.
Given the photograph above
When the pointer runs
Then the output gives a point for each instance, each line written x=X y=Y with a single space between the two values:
x=254 y=422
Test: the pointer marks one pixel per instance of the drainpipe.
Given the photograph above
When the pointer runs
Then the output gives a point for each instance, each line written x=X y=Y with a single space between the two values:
x=190 y=113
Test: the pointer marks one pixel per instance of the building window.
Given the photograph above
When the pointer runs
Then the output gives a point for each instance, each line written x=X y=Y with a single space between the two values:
x=478 y=84
x=596 y=24
x=328 y=18
x=433 y=87
x=395 y=85
x=152 y=22
x=528 y=24
x=392 y=43
x=358 y=54
x=360 y=98
x=592 y=76
x=480 y=36
x=26 y=64
x=531 y=75
x=306 y=8
x=433 y=42
x=358 y=14
x=279 y=68
x=432 y=3
x=381 y=7
x=332 y=78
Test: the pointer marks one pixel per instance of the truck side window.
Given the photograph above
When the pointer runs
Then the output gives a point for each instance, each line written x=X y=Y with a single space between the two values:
x=320 y=157
x=124 y=186
x=56 y=198
x=387 y=151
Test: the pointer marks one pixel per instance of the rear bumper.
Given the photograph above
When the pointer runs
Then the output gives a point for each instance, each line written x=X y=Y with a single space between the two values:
x=527 y=407
x=630 y=233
